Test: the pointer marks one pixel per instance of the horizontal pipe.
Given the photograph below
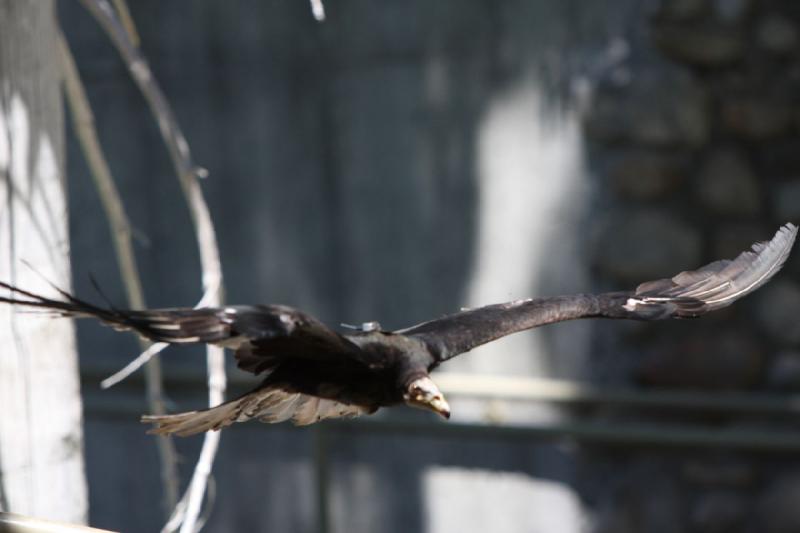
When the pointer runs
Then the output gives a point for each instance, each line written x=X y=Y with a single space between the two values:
x=544 y=389
x=669 y=436
x=564 y=391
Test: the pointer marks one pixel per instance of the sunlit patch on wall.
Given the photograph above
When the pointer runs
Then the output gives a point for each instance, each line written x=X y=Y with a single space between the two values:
x=476 y=500
x=532 y=189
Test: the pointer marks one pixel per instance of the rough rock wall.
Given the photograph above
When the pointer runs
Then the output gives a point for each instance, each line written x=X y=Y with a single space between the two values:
x=695 y=141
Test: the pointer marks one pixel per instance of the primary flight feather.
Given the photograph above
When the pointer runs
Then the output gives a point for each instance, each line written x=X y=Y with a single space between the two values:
x=313 y=372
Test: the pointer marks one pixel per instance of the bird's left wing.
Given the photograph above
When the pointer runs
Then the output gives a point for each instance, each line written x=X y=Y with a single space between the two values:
x=267 y=403
x=689 y=294
x=300 y=355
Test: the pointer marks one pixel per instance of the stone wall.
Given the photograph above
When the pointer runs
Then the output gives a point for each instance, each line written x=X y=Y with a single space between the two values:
x=695 y=140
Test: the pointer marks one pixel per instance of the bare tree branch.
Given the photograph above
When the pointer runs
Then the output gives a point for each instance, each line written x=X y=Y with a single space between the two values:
x=127 y=21
x=83 y=121
x=148 y=354
x=143 y=358
x=318 y=10
x=206 y=237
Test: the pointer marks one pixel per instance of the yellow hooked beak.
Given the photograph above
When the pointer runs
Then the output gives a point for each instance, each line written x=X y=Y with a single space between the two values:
x=423 y=393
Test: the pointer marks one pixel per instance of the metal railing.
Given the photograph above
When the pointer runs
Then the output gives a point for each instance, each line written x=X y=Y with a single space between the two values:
x=774 y=439
x=767 y=439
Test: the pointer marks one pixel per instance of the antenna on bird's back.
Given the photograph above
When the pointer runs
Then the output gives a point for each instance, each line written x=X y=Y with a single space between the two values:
x=365 y=327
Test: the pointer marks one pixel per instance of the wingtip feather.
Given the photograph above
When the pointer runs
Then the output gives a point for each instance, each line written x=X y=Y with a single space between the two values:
x=720 y=283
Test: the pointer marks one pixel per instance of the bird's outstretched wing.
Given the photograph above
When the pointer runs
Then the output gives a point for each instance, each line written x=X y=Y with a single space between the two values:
x=689 y=294
x=261 y=335
x=264 y=337
x=721 y=283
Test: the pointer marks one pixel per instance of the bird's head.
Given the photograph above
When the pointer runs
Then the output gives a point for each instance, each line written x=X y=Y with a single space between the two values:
x=423 y=393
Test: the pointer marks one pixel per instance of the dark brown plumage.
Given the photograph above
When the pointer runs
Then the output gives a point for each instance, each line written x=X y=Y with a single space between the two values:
x=312 y=372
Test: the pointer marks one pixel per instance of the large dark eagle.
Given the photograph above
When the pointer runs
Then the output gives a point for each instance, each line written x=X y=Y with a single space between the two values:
x=312 y=372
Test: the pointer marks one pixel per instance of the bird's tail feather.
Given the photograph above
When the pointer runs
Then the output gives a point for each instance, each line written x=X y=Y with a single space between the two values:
x=179 y=325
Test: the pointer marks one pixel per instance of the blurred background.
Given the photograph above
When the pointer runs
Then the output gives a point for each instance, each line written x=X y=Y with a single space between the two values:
x=404 y=159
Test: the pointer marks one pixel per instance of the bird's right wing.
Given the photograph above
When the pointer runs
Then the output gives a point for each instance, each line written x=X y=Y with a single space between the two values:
x=264 y=335
x=260 y=335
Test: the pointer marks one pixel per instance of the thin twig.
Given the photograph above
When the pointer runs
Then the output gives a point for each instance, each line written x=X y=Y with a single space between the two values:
x=149 y=353
x=318 y=10
x=143 y=358
x=188 y=512
x=127 y=21
x=206 y=238
x=83 y=121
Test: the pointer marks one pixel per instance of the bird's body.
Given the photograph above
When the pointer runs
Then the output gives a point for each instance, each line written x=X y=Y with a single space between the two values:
x=313 y=372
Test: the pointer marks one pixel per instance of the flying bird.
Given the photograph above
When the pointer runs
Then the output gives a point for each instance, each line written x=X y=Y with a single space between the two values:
x=312 y=372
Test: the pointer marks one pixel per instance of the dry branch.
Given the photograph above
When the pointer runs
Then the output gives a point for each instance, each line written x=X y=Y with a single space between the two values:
x=318 y=10
x=83 y=121
x=188 y=511
x=127 y=21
